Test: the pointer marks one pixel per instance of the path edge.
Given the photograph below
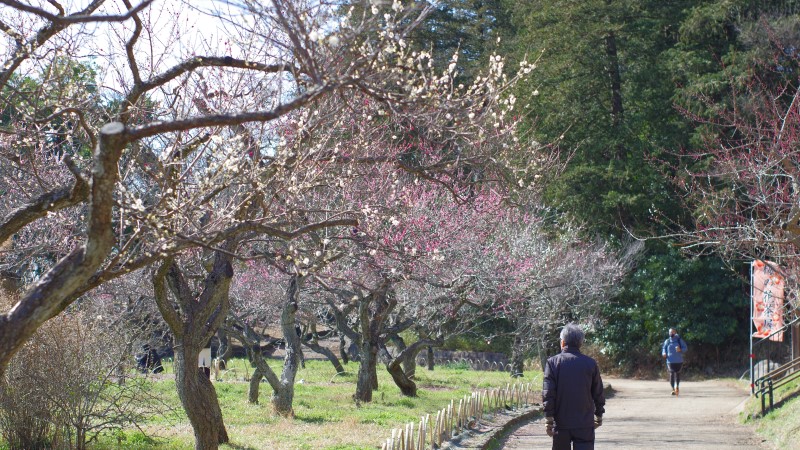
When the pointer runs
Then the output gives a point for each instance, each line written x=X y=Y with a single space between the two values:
x=499 y=426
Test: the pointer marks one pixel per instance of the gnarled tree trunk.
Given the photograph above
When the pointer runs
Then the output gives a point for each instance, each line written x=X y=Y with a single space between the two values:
x=373 y=310
x=193 y=321
x=394 y=365
x=343 y=348
x=252 y=344
x=327 y=353
x=372 y=323
x=283 y=387
x=367 y=372
x=409 y=362
x=283 y=393
x=395 y=369
x=198 y=397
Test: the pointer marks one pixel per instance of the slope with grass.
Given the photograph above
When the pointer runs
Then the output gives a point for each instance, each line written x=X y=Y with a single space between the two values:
x=780 y=427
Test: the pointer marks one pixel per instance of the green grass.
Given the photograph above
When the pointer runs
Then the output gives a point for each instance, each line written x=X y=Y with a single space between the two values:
x=326 y=417
x=781 y=425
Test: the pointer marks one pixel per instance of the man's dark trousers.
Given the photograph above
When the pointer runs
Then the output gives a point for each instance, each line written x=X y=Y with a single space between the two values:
x=582 y=438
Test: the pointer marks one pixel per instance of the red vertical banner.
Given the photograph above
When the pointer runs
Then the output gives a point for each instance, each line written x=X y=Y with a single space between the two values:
x=768 y=283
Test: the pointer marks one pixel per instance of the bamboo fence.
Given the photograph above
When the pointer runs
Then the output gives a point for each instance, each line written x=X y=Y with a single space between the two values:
x=432 y=431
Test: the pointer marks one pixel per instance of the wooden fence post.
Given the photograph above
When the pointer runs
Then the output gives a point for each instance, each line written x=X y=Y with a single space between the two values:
x=437 y=429
x=454 y=419
x=450 y=419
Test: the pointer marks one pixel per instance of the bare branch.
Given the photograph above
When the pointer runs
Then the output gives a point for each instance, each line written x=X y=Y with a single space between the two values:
x=81 y=17
x=57 y=6
x=24 y=50
x=215 y=61
x=131 y=43
x=11 y=32
x=171 y=316
x=279 y=233
x=414 y=348
x=48 y=202
x=155 y=128
x=81 y=117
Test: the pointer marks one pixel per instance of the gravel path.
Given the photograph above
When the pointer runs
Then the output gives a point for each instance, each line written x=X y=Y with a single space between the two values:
x=643 y=415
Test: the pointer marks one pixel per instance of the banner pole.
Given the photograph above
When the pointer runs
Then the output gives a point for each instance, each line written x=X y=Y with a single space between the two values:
x=750 y=355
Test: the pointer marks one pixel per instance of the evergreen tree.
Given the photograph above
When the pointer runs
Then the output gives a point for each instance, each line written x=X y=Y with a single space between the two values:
x=603 y=91
x=468 y=28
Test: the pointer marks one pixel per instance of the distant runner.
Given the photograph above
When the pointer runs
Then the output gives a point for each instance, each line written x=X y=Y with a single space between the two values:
x=672 y=351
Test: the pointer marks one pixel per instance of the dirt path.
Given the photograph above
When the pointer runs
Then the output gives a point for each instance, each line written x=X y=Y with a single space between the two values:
x=643 y=415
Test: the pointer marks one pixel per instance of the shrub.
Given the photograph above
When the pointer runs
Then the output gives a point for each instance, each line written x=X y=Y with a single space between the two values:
x=69 y=384
x=26 y=421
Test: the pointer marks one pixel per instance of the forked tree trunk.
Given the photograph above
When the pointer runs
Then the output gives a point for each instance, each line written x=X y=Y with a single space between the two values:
x=253 y=346
x=371 y=324
x=283 y=387
x=395 y=368
x=394 y=365
x=373 y=311
x=409 y=361
x=194 y=319
x=430 y=357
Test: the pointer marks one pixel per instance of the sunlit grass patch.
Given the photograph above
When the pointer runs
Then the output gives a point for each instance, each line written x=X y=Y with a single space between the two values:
x=326 y=417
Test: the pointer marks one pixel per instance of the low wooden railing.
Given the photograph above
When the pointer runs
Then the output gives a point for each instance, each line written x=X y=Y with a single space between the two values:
x=432 y=431
x=766 y=385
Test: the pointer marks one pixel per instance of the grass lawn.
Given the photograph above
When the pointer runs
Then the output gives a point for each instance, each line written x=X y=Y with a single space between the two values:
x=781 y=426
x=326 y=417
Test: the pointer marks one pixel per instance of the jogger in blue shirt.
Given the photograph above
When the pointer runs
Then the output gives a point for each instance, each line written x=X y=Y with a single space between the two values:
x=672 y=351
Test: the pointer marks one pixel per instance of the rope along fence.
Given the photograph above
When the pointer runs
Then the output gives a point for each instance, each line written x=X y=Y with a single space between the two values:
x=432 y=431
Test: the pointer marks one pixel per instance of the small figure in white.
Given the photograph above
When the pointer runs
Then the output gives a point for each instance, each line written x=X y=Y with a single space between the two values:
x=204 y=361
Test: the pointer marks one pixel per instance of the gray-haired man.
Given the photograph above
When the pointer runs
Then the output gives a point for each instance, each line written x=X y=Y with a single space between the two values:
x=573 y=394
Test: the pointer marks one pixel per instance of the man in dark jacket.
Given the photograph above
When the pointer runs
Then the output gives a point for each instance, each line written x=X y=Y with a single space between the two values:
x=148 y=360
x=573 y=393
